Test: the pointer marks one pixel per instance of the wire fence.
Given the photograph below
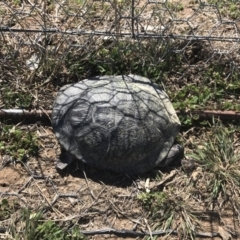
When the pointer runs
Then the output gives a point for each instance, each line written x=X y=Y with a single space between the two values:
x=137 y=19
x=56 y=42
x=61 y=41
x=42 y=41
x=190 y=46
x=59 y=27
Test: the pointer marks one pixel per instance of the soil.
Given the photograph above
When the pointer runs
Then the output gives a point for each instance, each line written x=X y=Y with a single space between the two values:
x=95 y=199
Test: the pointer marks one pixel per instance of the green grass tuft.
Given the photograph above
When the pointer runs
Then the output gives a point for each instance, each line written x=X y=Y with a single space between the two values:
x=16 y=98
x=17 y=143
x=33 y=227
x=170 y=212
x=218 y=157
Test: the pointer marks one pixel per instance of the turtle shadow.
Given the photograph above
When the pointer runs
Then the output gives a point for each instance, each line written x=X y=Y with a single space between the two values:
x=110 y=178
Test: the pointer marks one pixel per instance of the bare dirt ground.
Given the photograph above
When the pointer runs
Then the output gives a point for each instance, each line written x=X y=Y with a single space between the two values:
x=86 y=197
x=93 y=199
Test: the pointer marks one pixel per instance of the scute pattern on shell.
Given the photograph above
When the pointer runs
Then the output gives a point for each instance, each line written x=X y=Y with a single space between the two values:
x=123 y=123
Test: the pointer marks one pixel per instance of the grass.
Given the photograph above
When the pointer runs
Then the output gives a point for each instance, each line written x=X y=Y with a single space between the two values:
x=227 y=8
x=34 y=227
x=17 y=143
x=77 y=2
x=216 y=86
x=170 y=212
x=219 y=157
x=218 y=91
x=126 y=57
x=181 y=204
x=192 y=97
x=19 y=99
x=220 y=84
x=155 y=59
x=7 y=208
x=175 y=6
x=17 y=2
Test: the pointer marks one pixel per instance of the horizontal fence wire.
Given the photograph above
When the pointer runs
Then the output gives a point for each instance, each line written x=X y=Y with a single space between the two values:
x=45 y=40
x=122 y=18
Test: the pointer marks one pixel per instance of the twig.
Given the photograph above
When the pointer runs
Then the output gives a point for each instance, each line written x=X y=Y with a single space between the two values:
x=5 y=164
x=169 y=178
x=63 y=196
x=119 y=211
x=23 y=114
x=44 y=115
x=149 y=229
x=85 y=176
x=25 y=185
x=95 y=200
x=129 y=233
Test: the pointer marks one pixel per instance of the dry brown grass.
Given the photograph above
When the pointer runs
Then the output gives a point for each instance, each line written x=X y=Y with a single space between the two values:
x=177 y=198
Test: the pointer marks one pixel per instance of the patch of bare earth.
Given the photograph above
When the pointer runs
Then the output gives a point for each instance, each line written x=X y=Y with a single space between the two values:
x=95 y=199
x=87 y=197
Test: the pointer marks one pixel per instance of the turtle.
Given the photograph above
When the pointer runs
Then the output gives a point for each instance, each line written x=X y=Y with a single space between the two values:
x=121 y=123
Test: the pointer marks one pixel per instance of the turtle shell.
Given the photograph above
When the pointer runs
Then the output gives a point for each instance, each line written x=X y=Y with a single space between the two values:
x=122 y=123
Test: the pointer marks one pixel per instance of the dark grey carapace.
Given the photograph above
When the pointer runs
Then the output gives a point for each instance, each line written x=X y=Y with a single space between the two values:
x=122 y=123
